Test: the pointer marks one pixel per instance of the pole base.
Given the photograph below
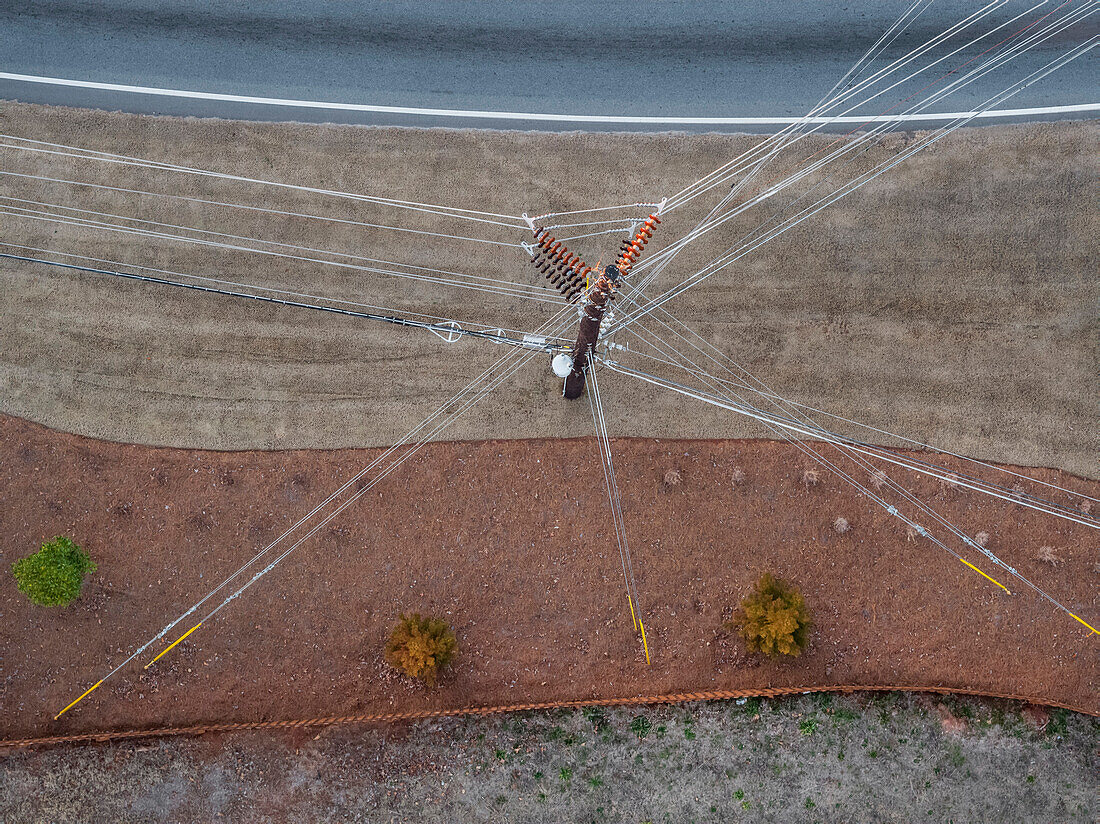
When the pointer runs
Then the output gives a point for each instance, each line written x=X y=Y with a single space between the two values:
x=574 y=385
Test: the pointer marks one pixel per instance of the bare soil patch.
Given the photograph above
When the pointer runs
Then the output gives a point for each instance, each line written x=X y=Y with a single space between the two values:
x=511 y=542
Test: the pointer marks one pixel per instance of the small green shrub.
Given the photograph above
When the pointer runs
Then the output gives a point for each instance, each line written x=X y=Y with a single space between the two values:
x=421 y=647
x=53 y=576
x=773 y=619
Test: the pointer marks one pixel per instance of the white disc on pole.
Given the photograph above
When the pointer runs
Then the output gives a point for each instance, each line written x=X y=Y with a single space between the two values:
x=562 y=364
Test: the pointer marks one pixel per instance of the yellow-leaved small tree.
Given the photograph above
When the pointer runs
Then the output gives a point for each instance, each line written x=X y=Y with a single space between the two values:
x=773 y=619
x=421 y=647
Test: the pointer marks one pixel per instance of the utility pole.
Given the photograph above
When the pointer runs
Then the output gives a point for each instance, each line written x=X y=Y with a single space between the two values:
x=569 y=274
x=589 y=331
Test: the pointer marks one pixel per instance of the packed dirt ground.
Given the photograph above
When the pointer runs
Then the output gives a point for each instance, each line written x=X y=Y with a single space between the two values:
x=875 y=759
x=951 y=300
x=512 y=543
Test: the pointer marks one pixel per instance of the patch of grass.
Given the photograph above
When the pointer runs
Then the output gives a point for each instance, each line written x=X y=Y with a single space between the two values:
x=750 y=707
x=641 y=726
x=738 y=794
x=566 y=774
x=1059 y=722
x=595 y=782
x=597 y=717
x=810 y=804
x=807 y=726
x=845 y=714
x=955 y=756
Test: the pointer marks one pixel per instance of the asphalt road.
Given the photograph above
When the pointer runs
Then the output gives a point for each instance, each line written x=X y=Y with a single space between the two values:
x=671 y=59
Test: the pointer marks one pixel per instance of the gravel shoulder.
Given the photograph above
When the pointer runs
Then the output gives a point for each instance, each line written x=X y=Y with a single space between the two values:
x=952 y=300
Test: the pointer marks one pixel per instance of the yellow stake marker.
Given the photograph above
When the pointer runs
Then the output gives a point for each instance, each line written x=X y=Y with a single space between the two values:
x=1087 y=625
x=633 y=617
x=78 y=700
x=998 y=583
x=169 y=647
x=645 y=646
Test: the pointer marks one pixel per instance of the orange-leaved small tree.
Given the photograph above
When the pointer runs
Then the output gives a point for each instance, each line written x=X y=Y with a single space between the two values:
x=421 y=647
x=773 y=618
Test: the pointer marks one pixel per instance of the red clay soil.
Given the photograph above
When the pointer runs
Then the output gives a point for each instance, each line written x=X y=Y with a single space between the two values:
x=511 y=541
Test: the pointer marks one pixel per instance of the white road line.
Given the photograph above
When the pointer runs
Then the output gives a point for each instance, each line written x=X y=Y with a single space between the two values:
x=539 y=116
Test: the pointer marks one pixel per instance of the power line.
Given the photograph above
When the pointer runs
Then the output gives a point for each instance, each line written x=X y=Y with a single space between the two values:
x=445 y=330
